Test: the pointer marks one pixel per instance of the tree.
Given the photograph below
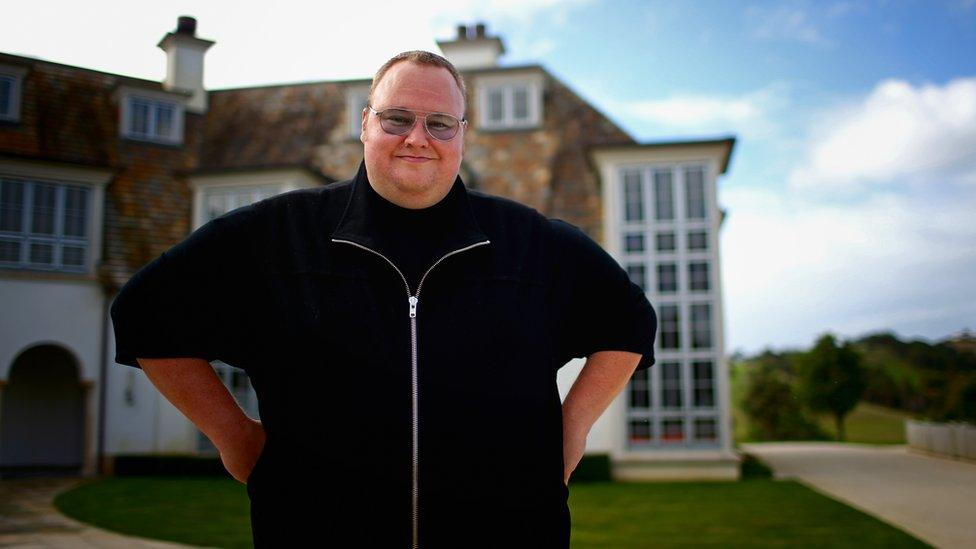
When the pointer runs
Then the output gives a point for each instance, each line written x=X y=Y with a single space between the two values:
x=771 y=403
x=832 y=379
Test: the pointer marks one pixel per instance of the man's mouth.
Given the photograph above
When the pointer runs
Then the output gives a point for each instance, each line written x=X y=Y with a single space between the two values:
x=411 y=158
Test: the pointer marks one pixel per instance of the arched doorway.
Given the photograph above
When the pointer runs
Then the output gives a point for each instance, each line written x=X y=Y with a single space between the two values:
x=42 y=414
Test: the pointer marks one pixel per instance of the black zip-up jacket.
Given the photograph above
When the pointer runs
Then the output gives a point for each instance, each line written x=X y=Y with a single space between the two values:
x=396 y=416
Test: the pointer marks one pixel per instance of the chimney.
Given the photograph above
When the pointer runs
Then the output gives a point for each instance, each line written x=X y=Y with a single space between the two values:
x=184 y=62
x=473 y=48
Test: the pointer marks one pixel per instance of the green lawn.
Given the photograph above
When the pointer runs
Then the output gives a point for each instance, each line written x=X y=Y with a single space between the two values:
x=867 y=423
x=755 y=513
x=871 y=424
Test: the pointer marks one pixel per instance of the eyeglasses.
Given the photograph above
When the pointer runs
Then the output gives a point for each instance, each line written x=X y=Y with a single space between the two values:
x=441 y=126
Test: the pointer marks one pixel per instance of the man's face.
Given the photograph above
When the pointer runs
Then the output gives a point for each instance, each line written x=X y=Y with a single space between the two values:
x=413 y=170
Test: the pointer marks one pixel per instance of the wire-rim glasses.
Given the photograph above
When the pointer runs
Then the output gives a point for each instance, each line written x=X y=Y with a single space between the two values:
x=439 y=125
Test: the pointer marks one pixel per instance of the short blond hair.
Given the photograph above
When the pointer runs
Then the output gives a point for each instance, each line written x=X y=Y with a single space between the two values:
x=420 y=57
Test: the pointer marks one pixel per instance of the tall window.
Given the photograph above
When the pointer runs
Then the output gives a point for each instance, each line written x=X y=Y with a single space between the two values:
x=634 y=242
x=663 y=195
x=701 y=326
x=641 y=431
x=706 y=429
x=638 y=275
x=671 y=386
x=44 y=225
x=697 y=240
x=633 y=196
x=153 y=120
x=640 y=390
x=695 y=192
x=665 y=242
x=667 y=278
x=670 y=327
x=698 y=276
x=703 y=383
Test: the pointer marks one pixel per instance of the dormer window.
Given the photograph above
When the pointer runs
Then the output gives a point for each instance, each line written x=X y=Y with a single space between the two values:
x=509 y=103
x=356 y=99
x=148 y=117
x=10 y=84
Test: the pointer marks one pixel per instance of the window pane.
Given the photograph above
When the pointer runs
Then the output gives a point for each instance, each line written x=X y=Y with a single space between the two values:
x=641 y=431
x=695 y=192
x=9 y=250
x=697 y=240
x=75 y=208
x=6 y=95
x=11 y=205
x=496 y=105
x=633 y=197
x=670 y=327
x=706 y=429
x=41 y=253
x=704 y=385
x=673 y=430
x=72 y=256
x=44 y=202
x=640 y=397
x=520 y=103
x=665 y=242
x=164 y=120
x=663 y=195
x=698 y=276
x=671 y=385
x=701 y=326
x=667 y=278
x=637 y=275
x=634 y=242
x=139 y=117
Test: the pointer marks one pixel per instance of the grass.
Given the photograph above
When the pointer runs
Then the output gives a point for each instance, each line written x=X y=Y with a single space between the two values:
x=211 y=511
x=871 y=424
x=758 y=513
x=755 y=513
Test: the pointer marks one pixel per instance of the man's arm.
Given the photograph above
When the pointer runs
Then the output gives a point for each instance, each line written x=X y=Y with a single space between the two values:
x=193 y=387
x=604 y=375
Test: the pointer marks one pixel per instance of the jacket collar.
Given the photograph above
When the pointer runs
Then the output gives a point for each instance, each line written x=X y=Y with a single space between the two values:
x=357 y=223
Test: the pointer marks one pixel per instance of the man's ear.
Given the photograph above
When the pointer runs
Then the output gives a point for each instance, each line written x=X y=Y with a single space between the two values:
x=362 y=131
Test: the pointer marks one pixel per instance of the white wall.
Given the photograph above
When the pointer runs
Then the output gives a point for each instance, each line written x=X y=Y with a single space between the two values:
x=139 y=419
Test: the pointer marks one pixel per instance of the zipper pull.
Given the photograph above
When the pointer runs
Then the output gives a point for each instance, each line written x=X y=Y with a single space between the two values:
x=413 y=306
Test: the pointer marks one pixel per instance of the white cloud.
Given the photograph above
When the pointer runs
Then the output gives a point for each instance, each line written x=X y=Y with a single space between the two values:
x=794 y=267
x=746 y=114
x=898 y=133
x=788 y=23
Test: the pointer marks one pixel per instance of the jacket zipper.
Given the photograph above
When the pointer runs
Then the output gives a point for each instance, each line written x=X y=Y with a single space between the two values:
x=412 y=301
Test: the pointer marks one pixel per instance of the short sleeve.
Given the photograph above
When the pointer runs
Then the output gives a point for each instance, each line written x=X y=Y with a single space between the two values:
x=598 y=307
x=181 y=305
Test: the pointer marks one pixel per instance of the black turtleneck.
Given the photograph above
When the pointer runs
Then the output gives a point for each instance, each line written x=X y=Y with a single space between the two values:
x=411 y=238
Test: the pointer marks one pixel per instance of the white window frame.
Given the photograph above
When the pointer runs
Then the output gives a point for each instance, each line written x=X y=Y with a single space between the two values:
x=356 y=99
x=15 y=75
x=93 y=180
x=156 y=100
x=506 y=84
x=260 y=183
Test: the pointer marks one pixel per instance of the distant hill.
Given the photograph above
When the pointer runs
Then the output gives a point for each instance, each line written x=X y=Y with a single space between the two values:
x=937 y=381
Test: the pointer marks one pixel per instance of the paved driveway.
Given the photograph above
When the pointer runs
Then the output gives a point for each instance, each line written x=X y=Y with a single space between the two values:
x=29 y=520
x=931 y=497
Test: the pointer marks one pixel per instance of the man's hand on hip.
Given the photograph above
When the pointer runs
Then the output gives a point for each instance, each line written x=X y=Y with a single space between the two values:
x=240 y=455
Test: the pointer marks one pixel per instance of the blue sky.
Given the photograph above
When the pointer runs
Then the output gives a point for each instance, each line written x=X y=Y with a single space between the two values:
x=852 y=192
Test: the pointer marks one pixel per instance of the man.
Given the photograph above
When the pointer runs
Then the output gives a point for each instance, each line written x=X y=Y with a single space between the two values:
x=402 y=335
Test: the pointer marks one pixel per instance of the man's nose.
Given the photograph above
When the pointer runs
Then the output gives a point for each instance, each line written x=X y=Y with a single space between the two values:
x=418 y=134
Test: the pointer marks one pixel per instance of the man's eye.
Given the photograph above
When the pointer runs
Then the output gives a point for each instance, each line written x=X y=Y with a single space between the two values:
x=436 y=123
x=399 y=120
